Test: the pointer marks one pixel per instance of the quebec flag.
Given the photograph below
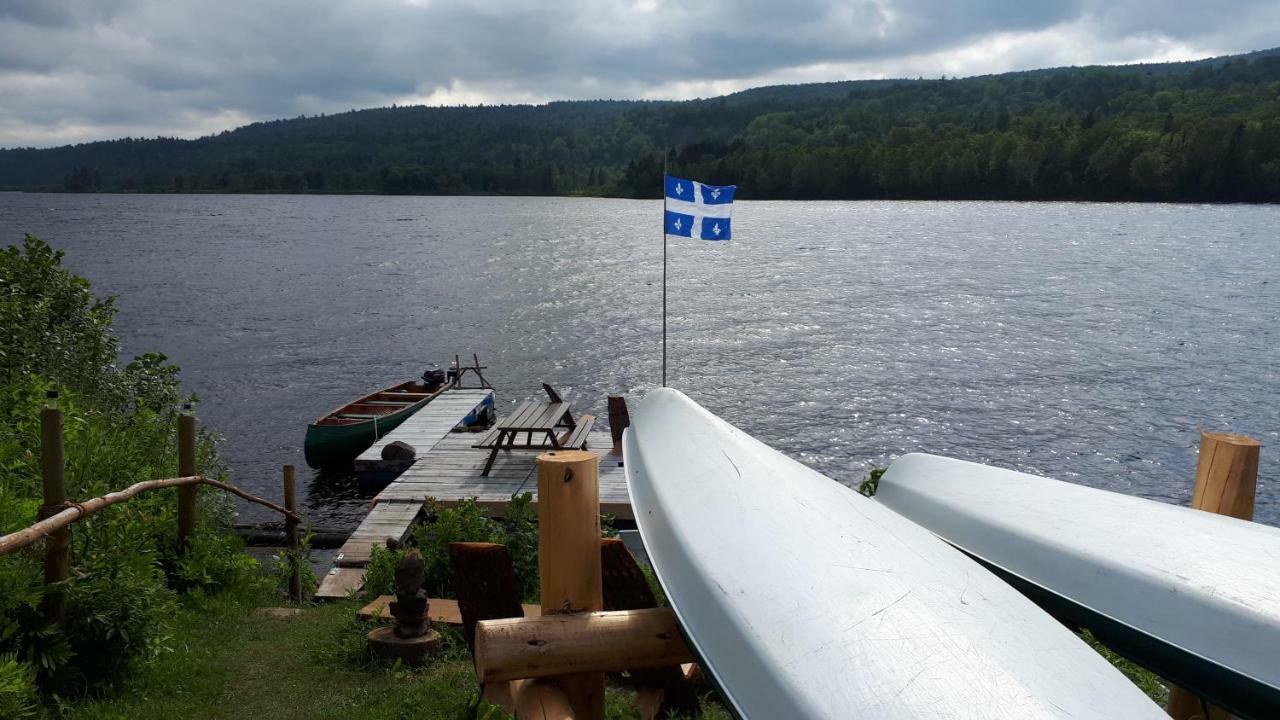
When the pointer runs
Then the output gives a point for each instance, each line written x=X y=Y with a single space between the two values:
x=697 y=210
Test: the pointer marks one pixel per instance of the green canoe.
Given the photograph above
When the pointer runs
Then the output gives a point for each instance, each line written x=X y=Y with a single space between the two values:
x=342 y=434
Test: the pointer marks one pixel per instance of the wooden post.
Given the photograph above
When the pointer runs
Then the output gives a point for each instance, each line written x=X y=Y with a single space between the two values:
x=291 y=534
x=186 y=466
x=661 y=691
x=542 y=700
x=1226 y=475
x=569 y=556
x=484 y=578
x=57 y=558
x=1226 y=483
x=619 y=419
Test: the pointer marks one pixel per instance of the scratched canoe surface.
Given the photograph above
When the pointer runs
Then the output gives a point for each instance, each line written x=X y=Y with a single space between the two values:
x=1192 y=594
x=806 y=600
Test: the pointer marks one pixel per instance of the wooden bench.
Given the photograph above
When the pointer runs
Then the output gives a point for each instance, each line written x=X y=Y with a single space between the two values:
x=576 y=439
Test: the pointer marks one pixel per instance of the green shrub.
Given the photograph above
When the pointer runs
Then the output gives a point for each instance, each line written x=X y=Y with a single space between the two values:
x=465 y=522
x=289 y=561
x=118 y=429
x=380 y=573
x=520 y=528
x=18 y=699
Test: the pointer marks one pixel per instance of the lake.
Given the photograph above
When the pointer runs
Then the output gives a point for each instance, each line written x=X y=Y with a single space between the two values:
x=1086 y=342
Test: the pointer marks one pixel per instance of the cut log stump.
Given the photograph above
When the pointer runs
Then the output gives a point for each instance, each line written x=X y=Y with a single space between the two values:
x=485 y=579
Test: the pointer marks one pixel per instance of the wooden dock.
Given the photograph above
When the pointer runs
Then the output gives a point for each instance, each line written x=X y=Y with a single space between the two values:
x=448 y=470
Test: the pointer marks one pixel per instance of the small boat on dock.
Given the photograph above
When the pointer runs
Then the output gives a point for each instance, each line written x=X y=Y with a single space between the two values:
x=804 y=599
x=344 y=432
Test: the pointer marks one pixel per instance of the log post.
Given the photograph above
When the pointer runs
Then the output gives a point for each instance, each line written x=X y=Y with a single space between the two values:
x=186 y=467
x=542 y=700
x=661 y=691
x=1226 y=483
x=1226 y=475
x=619 y=419
x=57 y=558
x=291 y=534
x=485 y=582
x=569 y=556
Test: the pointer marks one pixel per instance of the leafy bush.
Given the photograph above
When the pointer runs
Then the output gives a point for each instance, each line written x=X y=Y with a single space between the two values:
x=17 y=689
x=380 y=573
x=465 y=522
x=520 y=523
x=289 y=561
x=118 y=428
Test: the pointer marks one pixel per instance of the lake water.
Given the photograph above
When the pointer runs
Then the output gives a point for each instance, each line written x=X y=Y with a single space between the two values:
x=1087 y=342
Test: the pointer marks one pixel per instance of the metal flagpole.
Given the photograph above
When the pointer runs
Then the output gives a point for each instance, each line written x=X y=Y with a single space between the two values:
x=664 y=268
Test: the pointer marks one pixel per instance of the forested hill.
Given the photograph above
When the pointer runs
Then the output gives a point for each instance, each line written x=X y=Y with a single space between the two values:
x=1205 y=130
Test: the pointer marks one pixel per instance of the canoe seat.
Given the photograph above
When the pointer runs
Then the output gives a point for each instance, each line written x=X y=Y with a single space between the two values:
x=576 y=439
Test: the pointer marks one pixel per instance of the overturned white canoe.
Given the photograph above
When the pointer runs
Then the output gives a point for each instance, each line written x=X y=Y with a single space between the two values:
x=1193 y=595
x=806 y=600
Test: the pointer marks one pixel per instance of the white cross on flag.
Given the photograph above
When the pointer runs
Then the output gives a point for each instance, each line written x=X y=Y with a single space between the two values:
x=693 y=209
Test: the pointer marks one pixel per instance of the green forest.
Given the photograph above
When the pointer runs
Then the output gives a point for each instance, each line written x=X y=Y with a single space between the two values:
x=1197 y=131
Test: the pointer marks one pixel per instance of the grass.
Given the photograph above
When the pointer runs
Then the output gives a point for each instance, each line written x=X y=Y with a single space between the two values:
x=228 y=660
x=1146 y=680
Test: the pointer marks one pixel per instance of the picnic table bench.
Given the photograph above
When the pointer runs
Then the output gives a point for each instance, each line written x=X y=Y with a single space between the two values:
x=541 y=421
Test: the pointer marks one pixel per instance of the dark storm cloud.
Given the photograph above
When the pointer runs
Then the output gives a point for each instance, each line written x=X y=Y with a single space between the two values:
x=76 y=70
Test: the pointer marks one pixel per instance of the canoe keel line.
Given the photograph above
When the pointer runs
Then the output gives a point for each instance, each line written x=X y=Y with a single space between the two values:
x=807 y=600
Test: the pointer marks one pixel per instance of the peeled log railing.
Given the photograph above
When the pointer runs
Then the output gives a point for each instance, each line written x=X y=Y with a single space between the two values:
x=58 y=513
x=75 y=511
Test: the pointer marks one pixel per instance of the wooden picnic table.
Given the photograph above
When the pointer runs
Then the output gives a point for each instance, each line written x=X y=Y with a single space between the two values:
x=531 y=418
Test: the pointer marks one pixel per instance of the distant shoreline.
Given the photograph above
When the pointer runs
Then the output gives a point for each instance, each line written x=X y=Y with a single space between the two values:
x=586 y=196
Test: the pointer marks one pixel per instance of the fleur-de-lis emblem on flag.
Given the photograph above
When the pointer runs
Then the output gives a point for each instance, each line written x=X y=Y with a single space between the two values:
x=696 y=210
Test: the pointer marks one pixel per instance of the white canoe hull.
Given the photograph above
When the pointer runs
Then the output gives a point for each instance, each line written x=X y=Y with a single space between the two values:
x=1193 y=595
x=806 y=600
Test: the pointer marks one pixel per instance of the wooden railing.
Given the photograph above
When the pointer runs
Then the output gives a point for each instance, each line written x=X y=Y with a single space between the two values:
x=58 y=513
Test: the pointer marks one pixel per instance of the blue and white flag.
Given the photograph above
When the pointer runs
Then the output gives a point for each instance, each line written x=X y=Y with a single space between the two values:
x=697 y=210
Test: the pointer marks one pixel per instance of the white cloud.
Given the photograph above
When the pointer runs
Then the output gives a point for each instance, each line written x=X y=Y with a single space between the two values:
x=73 y=70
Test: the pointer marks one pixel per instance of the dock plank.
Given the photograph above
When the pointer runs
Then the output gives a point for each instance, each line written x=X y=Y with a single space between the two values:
x=426 y=427
x=339 y=582
x=447 y=469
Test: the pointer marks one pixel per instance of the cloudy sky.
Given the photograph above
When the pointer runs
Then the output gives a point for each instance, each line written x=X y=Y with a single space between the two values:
x=74 y=70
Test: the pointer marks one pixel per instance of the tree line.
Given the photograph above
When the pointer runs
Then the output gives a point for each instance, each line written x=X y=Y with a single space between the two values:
x=1205 y=131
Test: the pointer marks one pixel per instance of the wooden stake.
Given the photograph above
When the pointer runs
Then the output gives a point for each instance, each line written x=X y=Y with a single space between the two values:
x=186 y=467
x=57 y=558
x=1226 y=483
x=569 y=555
x=291 y=533
x=558 y=645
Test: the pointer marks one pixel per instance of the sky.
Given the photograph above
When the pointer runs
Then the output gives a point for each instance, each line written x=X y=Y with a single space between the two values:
x=79 y=70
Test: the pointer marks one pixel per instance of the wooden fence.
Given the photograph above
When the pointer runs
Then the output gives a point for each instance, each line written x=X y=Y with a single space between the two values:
x=58 y=513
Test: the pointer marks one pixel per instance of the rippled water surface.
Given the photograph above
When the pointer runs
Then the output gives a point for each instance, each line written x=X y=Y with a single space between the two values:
x=1085 y=342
